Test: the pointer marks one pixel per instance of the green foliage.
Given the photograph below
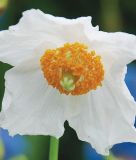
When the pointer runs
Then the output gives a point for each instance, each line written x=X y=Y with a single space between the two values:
x=111 y=15
x=39 y=147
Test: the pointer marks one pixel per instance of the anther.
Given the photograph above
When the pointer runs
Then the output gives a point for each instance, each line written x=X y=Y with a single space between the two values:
x=72 y=69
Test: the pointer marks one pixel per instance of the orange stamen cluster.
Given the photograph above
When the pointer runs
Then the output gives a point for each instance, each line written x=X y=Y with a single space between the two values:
x=72 y=69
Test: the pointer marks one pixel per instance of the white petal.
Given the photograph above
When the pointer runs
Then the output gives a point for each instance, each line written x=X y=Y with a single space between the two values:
x=35 y=29
x=109 y=116
x=115 y=48
x=7 y=99
x=51 y=23
x=34 y=108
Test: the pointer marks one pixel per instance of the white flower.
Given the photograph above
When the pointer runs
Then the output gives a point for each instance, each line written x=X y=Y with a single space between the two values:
x=103 y=117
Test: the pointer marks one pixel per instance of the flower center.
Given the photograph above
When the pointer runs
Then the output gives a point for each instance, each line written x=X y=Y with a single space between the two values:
x=72 y=69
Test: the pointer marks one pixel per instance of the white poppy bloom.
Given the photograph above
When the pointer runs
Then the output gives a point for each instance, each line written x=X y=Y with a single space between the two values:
x=67 y=70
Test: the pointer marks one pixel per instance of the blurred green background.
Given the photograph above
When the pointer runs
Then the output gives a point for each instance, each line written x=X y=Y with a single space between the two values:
x=110 y=15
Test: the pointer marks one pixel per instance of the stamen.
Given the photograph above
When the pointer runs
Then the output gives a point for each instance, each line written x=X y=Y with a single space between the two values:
x=72 y=69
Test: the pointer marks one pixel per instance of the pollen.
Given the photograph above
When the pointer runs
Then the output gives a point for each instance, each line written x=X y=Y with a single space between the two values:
x=72 y=69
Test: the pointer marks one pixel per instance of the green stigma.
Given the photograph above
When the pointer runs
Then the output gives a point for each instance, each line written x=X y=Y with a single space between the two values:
x=68 y=82
x=68 y=55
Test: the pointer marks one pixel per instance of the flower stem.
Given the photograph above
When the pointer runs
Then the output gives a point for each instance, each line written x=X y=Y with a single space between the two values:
x=54 y=148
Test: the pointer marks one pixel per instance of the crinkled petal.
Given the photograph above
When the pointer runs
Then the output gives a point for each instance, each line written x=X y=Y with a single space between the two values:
x=109 y=116
x=35 y=29
x=51 y=23
x=32 y=107
x=7 y=99
x=115 y=48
